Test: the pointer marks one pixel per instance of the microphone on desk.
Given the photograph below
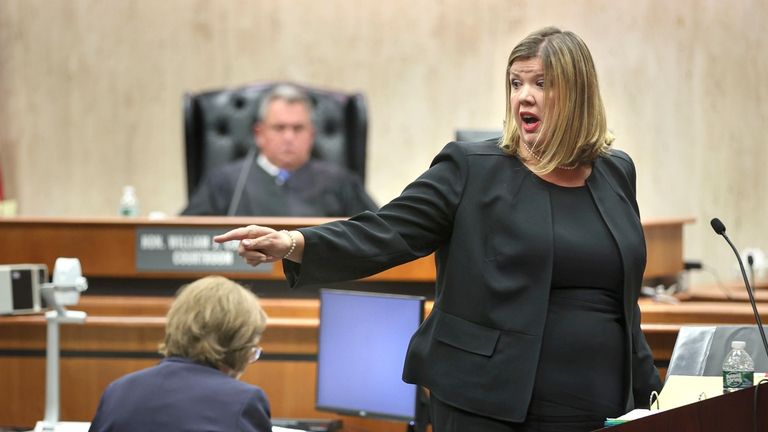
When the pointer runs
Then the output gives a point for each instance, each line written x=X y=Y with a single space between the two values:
x=241 y=179
x=719 y=228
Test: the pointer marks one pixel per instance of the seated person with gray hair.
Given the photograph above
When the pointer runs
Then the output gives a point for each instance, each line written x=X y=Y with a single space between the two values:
x=284 y=180
x=211 y=335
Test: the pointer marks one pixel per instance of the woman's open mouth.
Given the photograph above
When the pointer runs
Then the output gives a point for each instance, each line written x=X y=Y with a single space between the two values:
x=530 y=121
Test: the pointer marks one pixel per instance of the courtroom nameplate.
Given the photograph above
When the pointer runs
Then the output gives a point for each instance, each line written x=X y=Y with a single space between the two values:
x=188 y=250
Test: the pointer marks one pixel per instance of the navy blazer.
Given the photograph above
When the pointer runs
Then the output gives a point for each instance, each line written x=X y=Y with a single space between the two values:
x=489 y=221
x=180 y=395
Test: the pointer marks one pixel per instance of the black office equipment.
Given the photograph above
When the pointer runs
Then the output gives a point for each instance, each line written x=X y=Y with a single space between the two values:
x=20 y=288
x=311 y=425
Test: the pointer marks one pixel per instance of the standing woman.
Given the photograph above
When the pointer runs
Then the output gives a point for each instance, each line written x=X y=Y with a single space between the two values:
x=539 y=251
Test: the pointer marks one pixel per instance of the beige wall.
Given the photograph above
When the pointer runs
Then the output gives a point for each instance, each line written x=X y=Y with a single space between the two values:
x=90 y=92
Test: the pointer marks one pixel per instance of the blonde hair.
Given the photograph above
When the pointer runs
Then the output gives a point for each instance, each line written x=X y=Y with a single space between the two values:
x=214 y=321
x=575 y=128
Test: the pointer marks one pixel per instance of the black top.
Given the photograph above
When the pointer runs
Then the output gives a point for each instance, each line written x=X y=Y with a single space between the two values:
x=490 y=226
x=580 y=373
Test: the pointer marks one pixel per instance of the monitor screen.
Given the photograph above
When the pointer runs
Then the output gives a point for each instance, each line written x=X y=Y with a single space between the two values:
x=362 y=342
x=20 y=288
x=23 y=289
x=477 y=134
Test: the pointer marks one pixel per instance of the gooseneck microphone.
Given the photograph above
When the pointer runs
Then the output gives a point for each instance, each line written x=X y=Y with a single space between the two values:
x=241 y=179
x=720 y=230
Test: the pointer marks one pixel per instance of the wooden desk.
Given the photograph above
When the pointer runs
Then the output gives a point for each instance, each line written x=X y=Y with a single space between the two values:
x=121 y=333
x=734 y=291
x=105 y=245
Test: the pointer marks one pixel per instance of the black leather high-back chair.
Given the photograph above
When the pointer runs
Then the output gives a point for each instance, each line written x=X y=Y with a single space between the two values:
x=700 y=350
x=218 y=127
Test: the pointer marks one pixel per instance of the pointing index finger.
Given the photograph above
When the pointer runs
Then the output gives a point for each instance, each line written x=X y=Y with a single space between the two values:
x=235 y=234
x=248 y=232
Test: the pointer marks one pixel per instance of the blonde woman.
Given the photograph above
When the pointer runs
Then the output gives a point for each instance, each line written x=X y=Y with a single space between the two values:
x=540 y=256
x=211 y=335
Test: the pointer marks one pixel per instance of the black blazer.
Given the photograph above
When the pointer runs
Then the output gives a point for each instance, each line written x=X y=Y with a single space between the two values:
x=489 y=221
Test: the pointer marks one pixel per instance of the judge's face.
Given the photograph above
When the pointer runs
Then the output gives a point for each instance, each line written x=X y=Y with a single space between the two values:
x=526 y=79
x=285 y=135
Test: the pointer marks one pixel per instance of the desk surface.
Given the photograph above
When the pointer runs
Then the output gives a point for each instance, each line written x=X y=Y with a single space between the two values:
x=105 y=246
x=733 y=291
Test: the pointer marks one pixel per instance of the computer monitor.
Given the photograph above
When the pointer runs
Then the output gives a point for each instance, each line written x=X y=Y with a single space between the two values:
x=477 y=134
x=362 y=342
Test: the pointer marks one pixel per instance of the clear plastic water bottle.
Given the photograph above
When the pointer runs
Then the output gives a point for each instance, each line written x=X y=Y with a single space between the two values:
x=129 y=203
x=738 y=368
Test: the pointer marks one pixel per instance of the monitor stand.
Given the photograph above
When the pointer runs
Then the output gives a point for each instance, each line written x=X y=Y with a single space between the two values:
x=413 y=427
x=422 y=420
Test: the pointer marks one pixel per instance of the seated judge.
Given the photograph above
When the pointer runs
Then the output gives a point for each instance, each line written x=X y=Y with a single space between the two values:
x=284 y=180
x=212 y=333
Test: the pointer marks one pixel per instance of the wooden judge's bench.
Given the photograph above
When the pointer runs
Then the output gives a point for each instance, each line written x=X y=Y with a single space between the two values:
x=126 y=303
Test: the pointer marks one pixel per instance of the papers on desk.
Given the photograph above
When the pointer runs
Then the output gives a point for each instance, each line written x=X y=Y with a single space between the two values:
x=679 y=390
x=632 y=415
x=83 y=427
x=682 y=390
x=62 y=427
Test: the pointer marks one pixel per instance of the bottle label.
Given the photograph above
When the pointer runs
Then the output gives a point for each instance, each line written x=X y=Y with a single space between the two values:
x=737 y=379
x=129 y=211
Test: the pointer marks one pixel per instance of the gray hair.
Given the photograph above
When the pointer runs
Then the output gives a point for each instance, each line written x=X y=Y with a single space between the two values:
x=290 y=94
x=214 y=321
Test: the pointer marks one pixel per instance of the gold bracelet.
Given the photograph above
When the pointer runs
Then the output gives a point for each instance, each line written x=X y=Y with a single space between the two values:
x=293 y=243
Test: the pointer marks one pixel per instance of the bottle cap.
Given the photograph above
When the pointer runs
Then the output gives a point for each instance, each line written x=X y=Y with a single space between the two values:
x=738 y=344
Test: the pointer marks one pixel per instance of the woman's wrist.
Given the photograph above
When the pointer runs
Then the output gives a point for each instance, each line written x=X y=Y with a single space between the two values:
x=296 y=249
x=293 y=243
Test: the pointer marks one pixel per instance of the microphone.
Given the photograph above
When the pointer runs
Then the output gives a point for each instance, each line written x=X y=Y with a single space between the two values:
x=240 y=186
x=720 y=230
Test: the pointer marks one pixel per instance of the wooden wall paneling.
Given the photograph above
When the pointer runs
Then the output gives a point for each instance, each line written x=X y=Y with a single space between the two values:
x=22 y=398
x=665 y=248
